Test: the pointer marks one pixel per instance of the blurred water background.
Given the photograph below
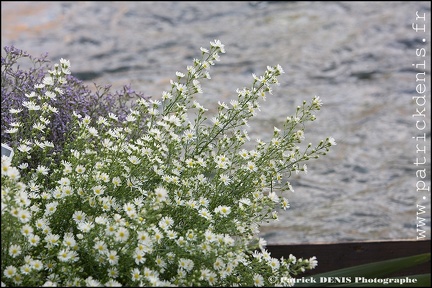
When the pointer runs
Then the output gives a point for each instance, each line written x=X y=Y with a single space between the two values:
x=357 y=56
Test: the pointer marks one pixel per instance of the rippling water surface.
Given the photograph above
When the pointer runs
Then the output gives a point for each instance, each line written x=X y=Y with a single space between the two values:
x=357 y=56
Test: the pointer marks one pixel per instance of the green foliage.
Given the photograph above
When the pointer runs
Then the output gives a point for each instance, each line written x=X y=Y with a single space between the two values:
x=167 y=196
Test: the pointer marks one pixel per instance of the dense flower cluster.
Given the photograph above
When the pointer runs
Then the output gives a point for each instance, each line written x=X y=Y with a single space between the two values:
x=164 y=197
x=17 y=99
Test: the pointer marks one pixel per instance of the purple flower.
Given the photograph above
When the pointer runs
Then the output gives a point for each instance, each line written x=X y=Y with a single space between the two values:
x=19 y=74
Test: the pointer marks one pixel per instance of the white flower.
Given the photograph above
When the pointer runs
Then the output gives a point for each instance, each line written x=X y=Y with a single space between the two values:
x=273 y=197
x=222 y=104
x=317 y=101
x=332 y=141
x=258 y=280
x=186 y=264
x=51 y=208
x=147 y=180
x=166 y=222
x=52 y=240
x=122 y=234
x=59 y=90
x=65 y=63
x=285 y=204
x=198 y=106
x=216 y=122
x=79 y=216
x=218 y=44
x=112 y=257
x=222 y=161
x=12 y=131
x=203 y=212
x=50 y=95
x=300 y=135
x=313 y=262
x=274 y=264
x=197 y=86
x=42 y=170
x=262 y=243
x=116 y=181
x=180 y=87
x=136 y=274
x=101 y=247
x=161 y=194
x=275 y=216
x=134 y=160
x=69 y=240
x=166 y=95
x=225 y=179
x=85 y=226
x=65 y=255
x=112 y=116
x=279 y=69
x=80 y=169
x=10 y=271
x=189 y=135
x=31 y=95
x=292 y=259
x=36 y=264
x=250 y=166
x=93 y=131
x=14 y=250
x=144 y=237
x=30 y=105
x=24 y=215
x=27 y=230
x=131 y=118
x=223 y=210
x=90 y=282
x=16 y=124
x=98 y=190
x=52 y=109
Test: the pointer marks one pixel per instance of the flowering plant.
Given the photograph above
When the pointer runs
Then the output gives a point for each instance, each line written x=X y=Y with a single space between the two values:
x=164 y=197
x=17 y=87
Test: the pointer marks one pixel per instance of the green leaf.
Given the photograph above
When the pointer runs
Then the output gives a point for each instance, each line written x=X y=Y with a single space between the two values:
x=375 y=270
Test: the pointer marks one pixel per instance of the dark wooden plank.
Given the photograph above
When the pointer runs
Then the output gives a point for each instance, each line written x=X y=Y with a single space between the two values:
x=334 y=256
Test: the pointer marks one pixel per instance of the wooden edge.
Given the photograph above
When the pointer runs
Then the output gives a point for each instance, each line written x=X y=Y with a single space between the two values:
x=333 y=256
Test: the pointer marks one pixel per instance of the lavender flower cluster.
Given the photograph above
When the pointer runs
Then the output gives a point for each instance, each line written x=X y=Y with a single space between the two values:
x=76 y=96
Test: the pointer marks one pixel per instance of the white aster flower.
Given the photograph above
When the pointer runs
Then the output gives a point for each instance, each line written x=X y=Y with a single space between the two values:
x=122 y=234
x=224 y=211
x=98 y=190
x=79 y=216
x=258 y=280
x=50 y=95
x=24 y=215
x=31 y=105
x=42 y=170
x=161 y=194
x=10 y=271
x=14 y=250
x=225 y=179
x=313 y=262
x=85 y=226
x=273 y=197
x=218 y=44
